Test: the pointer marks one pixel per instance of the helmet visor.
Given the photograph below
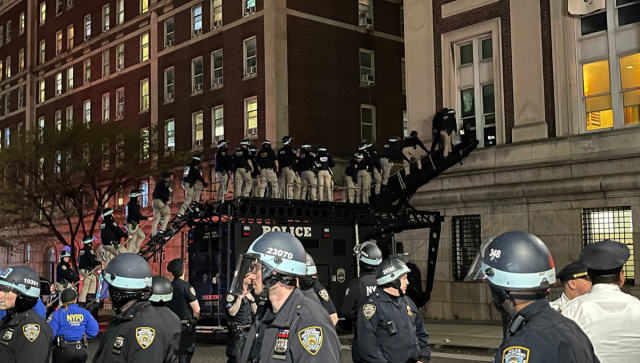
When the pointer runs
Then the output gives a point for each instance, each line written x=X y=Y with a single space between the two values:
x=248 y=271
x=476 y=270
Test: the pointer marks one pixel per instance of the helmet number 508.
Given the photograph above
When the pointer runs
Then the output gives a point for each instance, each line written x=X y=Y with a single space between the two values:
x=279 y=253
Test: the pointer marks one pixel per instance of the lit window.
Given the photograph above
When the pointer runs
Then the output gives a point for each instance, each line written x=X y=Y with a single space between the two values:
x=7 y=137
x=105 y=63
x=21 y=26
x=168 y=33
x=8 y=66
x=597 y=95
x=58 y=120
x=196 y=20
x=368 y=122
x=198 y=129
x=170 y=136
x=1 y=70
x=366 y=67
x=216 y=5
x=43 y=13
x=70 y=78
x=58 y=162
x=196 y=73
x=59 y=42
x=144 y=144
x=144 y=95
x=630 y=77
x=87 y=27
x=216 y=69
x=87 y=112
x=21 y=59
x=120 y=10
x=43 y=47
x=70 y=35
x=169 y=84
x=27 y=253
x=120 y=103
x=105 y=17
x=105 y=107
x=41 y=93
x=405 y=124
x=87 y=70
x=58 y=83
x=217 y=116
x=251 y=116
x=144 y=6
x=365 y=18
x=120 y=50
x=249 y=7
x=144 y=47
x=144 y=198
x=251 y=57
x=69 y=117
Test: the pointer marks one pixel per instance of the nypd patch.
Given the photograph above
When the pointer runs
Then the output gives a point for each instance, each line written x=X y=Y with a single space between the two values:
x=31 y=331
x=193 y=291
x=311 y=339
x=230 y=298
x=515 y=355
x=144 y=336
x=368 y=310
x=64 y=267
x=324 y=294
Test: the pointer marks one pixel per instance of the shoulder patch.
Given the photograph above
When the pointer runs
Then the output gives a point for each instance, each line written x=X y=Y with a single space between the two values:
x=144 y=336
x=324 y=294
x=31 y=331
x=346 y=293
x=50 y=318
x=311 y=339
x=193 y=291
x=368 y=310
x=64 y=267
x=230 y=298
x=102 y=225
x=115 y=224
x=93 y=252
x=515 y=355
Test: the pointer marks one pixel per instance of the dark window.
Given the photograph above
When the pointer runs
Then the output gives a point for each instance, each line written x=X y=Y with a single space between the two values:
x=465 y=236
x=339 y=247
x=629 y=14
x=310 y=243
x=612 y=223
x=594 y=23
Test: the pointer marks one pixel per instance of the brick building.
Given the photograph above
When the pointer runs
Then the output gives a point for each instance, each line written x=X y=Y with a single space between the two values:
x=554 y=100
x=329 y=73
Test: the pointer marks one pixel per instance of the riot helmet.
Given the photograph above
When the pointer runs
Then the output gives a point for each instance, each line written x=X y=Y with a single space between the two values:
x=245 y=142
x=394 y=139
x=66 y=252
x=305 y=147
x=266 y=143
x=222 y=144
x=359 y=156
x=162 y=290
x=389 y=273
x=129 y=278
x=363 y=146
x=107 y=213
x=515 y=265
x=322 y=150
x=87 y=240
x=134 y=194
x=368 y=254
x=197 y=157
x=25 y=283
x=308 y=281
x=286 y=140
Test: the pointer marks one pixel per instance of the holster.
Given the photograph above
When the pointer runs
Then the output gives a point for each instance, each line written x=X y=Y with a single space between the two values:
x=59 y=342
x=192 y=325
x=85 y=341
x=134 y=225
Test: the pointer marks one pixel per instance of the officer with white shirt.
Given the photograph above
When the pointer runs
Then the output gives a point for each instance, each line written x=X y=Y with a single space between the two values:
x=609 y=317
x=576 y=283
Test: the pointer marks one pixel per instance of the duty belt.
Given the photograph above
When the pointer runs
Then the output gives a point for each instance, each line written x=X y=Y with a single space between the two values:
x=267 y=168
x=242 y=327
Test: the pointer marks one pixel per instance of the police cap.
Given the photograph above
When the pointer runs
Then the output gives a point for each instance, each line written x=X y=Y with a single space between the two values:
x=574 y=270
x=68 y=295
x=175 y=265
x=605 y=256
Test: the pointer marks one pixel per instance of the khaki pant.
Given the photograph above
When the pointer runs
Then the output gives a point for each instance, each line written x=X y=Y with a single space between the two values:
x=378 y=179
x=61 y=287
x=324 y=184
x=364 y=184
x=411 y=153
x=88 y=285
x=243 y=183
x=255 y=185
x=288 y=180
x=268 y=176
x=190 y=195
x=309 y=180
x=160 y=210
x=297 y=187
x=351 y=191
x=109 y=253
x=223 y=186
x=386 y=169
x=136 y=239
x=447 y=142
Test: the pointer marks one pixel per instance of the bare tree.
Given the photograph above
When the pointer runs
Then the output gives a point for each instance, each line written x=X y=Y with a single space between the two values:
x=61 y=180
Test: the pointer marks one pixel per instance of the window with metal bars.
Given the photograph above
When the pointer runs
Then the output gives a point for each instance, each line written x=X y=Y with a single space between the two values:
x=466 y=239
x=612 y=223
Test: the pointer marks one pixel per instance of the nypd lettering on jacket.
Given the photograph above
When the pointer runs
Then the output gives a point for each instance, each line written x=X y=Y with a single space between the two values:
x=294 y=231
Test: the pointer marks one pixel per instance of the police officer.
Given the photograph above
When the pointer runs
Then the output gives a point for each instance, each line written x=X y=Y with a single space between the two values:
x=243 y=167
x=255 y=174
x=390 y=328
x=192 y=182
x=162 y=293
x=364 y=179
x=267 y=161
x=369 y=257
x=224 y=165
x=325 y=163
x=436 y=124
x=374 y=160
x=608 y=316
x=133 y=220
x=288 y=167
x=110 y=234
x=25 y=336
x=449 y=129
x=297 y=181
x=65 y=276
x=519 y=270
x=313 y=289
x=69 y=325
x=307 y=175
x=389 y=152
x=185 y=305
x=351 y=178
x=136 y=333
x=409 y=149
x=293 y=328
x=240 y=310
x=87 y=264
x=576 y=283
x=161 y=209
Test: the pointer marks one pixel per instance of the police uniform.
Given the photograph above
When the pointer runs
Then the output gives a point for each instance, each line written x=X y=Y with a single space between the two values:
x=356 y=294
x=351 y=178
x=409 y=149
x=288 y=167
x=318 y=292
x=448 y=131
x=325 y=163
x=242 y=173
x=135 y=335
x=539 y=334
x=172 y=327
x=435 y=126
x=192 y=182
x=297 y=181
x=110 y=235
x=266 y=160
x=376 y=166
x=133 y=220
x=69 y=326
x=573 y=270
x=308 y=177
x=65 y=276
x=160 y=204
x=26 y=337
x=239 y=325
x=183 y=295
x=364 y=182
x=299 y=332
x=389 y=152
x=255 y=174
x=224 y=165
x=87 y=262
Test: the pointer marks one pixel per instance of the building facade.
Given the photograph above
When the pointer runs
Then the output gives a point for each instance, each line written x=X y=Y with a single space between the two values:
x=330 y=73
x=554 y=100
